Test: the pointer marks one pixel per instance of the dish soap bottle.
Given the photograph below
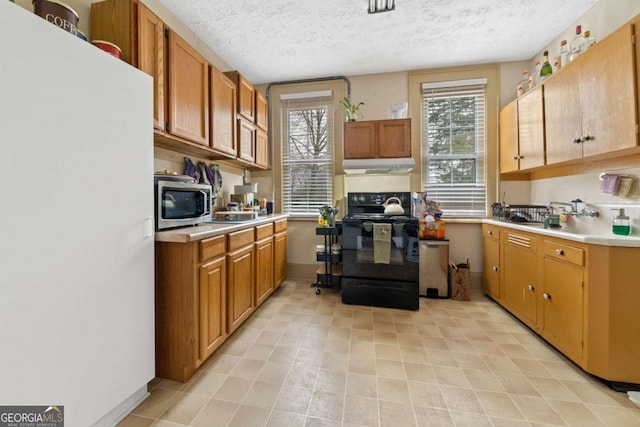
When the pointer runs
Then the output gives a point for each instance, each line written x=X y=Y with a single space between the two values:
x=621 y=224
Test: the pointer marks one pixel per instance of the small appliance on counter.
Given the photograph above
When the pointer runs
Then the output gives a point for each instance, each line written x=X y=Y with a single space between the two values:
x=235 y=215
x=180 y=201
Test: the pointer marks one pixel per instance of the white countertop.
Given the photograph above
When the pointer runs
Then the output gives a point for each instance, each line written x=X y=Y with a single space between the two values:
x=206 y=230
x=594 y=239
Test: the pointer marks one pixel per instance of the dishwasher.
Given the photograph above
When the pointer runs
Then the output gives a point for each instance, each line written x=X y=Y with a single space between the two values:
x=434 y=268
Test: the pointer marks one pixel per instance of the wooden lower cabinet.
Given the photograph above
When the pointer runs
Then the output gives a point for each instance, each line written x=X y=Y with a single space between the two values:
x=206 y=289
x=521 y=275
x=280 y=253
x=240 y=280
x=264 y=248
x=491 y=260
x=563 y=310
x=264 y=269
x=213 y=292
x=587 y=310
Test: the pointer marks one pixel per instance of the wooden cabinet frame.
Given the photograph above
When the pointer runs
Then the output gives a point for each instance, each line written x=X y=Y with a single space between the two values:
x=587 y=310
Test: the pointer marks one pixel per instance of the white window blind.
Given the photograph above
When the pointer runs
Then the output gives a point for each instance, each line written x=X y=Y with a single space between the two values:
x=454 y=141
x=307 y=152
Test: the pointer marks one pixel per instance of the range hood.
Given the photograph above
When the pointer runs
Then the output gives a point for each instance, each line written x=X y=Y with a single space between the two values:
x=378 y=166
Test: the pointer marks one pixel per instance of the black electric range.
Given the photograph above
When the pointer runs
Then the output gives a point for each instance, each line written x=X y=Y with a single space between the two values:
x=379 y=252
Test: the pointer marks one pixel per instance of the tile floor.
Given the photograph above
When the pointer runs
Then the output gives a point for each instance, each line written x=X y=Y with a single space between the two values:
x=308 y=360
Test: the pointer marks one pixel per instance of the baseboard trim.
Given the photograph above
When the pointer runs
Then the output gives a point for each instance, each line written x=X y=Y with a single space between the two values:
x=308 y=272
x=118 y=413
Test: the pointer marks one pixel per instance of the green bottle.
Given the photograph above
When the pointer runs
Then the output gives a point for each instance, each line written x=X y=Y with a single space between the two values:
x=546 y=69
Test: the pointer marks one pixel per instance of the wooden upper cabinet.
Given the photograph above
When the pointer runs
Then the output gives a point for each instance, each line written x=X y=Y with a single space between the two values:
x=223 y=114
x=509 y=149
x=261 y=111
x=151 y=59
x=246 y=95
x=377 y=139
x=607 y=85
x=360 y=140
x=262 y=149
x=246 y=141
x=140 y=35
x=188 y=91
x=531 y=129
x=394 y=138
x=590 y=105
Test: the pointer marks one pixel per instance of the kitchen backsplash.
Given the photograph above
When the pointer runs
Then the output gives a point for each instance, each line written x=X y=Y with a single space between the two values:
x=585 y=187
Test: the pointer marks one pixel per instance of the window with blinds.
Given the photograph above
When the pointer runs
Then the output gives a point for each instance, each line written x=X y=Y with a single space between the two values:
x=454 y=144
x=307 y=152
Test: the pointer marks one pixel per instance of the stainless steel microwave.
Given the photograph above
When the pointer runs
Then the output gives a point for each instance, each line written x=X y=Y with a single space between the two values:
x=180 y=202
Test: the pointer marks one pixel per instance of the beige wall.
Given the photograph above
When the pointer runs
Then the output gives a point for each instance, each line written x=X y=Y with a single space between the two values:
x=379 y=92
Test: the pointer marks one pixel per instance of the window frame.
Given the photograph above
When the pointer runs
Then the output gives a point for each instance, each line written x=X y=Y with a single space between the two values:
x=463 y=199
x=274 y=91
x=491 y=73
x=288 y=203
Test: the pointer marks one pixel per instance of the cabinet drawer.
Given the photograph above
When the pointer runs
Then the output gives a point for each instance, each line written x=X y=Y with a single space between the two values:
x=263 y=231
x=491 y=231
x=240 y=239
x=213 y=247
x=281 y=225
x=561 y=251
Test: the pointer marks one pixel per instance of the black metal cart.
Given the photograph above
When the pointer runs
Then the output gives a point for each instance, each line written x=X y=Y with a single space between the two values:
x=329 y=274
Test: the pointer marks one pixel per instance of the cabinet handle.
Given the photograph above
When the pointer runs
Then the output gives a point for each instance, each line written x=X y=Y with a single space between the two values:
x=531 y=288
x=546 y=296
x=494 y=268
x=587 y=138
x=516 y=157
x=559 y=252
x=577 y=140
x=490 y=233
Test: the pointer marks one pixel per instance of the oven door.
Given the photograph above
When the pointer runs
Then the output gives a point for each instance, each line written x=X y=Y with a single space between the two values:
x=358 y=256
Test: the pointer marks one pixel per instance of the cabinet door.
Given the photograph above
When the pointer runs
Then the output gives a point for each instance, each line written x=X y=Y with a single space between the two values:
x=264 y=270
x=394 y=138
x=261 y=111
x=246 y=141
x=223 y=114
x=606 y=89
x=188 y=92
x=213 y=331
x=521 y=282
x=262 y=149
x=151 y=59
x=239 y=287
x=563 y=307
x=360 y=140
x=562 y=114
x=280 y=250
x=246 y=99
x=531 y=129
x=491 y=267
x=509 y=154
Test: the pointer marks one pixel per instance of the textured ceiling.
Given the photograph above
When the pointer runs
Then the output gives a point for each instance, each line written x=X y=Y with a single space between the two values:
x=281 y=40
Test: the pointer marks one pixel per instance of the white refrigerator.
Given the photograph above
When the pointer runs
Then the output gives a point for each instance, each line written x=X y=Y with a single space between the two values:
x=76 y=232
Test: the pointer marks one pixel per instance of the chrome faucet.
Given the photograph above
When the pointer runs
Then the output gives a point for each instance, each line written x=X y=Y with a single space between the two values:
x=574 y=208
x=573 y=205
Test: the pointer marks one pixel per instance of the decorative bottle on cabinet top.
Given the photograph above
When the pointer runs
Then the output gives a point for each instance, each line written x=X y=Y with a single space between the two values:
x=523 y=85
x=575 y=48
x=589 y=41
x=546 y=69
